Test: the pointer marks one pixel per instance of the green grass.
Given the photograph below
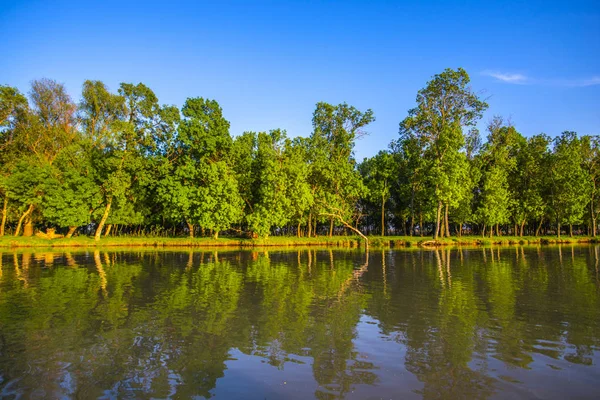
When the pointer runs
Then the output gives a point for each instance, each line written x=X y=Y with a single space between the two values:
x=398 y=241
x=125 y=241
x=283 y=241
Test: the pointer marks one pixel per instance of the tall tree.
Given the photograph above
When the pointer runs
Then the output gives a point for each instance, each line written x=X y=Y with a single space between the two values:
x=529 y=182
x=271 y=202
x=103 y=118
x=203 y=188
x=591 y=163
x=13 y=105
x=571 y=185
x=378 y=173
x=297 y=172
x=335 y=183
x=43 y=132
x=444 y=107
x=498 y=162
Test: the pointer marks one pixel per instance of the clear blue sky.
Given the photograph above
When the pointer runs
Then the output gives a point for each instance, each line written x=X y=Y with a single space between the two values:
x=268 y=63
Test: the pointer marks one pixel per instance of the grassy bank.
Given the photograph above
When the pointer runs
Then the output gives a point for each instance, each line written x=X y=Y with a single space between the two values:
x=88 y=242
x=399 y=241
x=278 y=241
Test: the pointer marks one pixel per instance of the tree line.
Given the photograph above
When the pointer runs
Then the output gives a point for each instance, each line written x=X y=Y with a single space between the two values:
x=122 y=163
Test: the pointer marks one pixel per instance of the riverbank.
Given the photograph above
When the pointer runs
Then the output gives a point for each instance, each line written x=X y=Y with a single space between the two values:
x=284 y=241
x=126 y=241
x=398 y=241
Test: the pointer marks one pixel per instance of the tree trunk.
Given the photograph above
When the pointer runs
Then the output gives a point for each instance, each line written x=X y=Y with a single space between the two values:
x=437 y=220
x=570 y=230
x=330 y=227
x=298 y=230
x=309 y=227
x=382 y=216
x=4 y=214
x=71 y=231
x=592 y=211
x=216 y=235
x=347 y=225
x=522 y=228
x=498 y=230
x=537 y=231
x=421 y=224
x=191 y=229
x=108 y=229
x=20 y=223
x=558 y=230
x=412 y=212
x=483 y=231
x=446 y=223
x=28 y=227
x=103 y=220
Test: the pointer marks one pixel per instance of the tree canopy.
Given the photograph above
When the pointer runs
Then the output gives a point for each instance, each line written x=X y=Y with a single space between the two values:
x=121 y=163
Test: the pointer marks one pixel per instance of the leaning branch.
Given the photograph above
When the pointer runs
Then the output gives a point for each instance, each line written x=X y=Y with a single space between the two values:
x=347 y=225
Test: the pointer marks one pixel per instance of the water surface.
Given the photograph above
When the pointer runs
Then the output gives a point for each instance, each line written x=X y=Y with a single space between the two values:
x=509 y=322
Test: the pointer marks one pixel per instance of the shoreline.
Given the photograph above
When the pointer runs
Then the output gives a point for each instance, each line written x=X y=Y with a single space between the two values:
x=9 y=242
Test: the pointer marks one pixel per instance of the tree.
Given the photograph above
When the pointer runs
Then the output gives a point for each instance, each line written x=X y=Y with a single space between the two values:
x=528 y=181
x=571 y=184
x=40 y=135
x=102 y=115
x=12 y=106
x=203 y=188
x=297 y=172
x=335 y=183
x=444 y=107
x=271 y=204
x=591 y=163
x=464 y=205
x=377 y=173
x=412 y=188
x=498 y=162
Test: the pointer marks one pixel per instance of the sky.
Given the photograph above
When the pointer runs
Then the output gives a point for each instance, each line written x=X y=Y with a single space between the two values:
x=268 y=63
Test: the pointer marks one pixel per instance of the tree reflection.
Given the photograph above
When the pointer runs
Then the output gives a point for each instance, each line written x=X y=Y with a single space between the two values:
x=161 y=324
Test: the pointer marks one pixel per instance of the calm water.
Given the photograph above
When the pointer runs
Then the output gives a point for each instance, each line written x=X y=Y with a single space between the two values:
x=478 y=323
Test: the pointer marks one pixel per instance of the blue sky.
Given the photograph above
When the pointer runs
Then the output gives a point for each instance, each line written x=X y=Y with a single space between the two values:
x=268 y=63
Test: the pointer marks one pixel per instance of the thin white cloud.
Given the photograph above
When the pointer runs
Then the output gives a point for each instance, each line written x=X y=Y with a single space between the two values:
x=593 y=81
x=518 y=79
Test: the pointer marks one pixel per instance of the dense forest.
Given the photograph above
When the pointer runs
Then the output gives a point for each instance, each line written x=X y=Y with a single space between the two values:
x=123 y=164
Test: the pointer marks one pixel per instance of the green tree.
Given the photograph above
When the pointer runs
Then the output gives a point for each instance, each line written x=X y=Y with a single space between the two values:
x=102 y=115
x=272 y=205
x=42 y=133
x=12 y=106
x=336 y=184
x=202 y=187
x=444 y=107
x=297 y=172
x=412 y=188
x=571 y=184
x=378 y=173
x=464 y=205
x=528 y=181
x=498 y=162
x=591 y=163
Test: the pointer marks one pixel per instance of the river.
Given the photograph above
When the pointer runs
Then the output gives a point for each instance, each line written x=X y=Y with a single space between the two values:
x=504 y=322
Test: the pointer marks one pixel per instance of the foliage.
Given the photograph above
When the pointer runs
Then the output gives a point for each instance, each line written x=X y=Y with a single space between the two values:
x=121 y=159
